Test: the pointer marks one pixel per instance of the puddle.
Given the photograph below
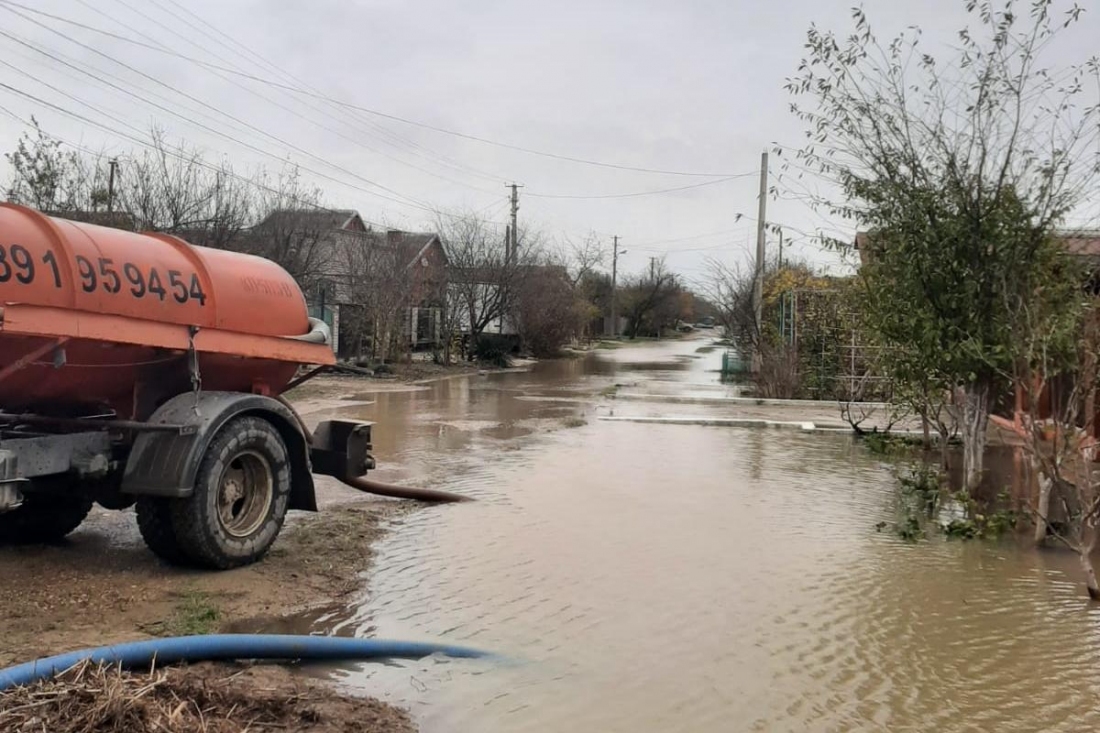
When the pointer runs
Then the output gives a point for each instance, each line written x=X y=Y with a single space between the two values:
x=653 y=577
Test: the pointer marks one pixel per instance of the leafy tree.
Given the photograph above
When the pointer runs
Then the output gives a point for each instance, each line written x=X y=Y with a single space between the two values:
x=962 y=168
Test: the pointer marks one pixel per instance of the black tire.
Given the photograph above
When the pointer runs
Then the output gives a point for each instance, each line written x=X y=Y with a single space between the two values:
x=108 y=494
x=44 y=518
x=242 y=492
x=154 y=518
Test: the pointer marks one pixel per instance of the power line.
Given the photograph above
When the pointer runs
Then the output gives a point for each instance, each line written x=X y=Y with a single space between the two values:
x=694 y=236
x=384 y=132
x=177 y=155
x=411 y=201
x=348 y=105
x=408 y=200
x=76 y=99
x=209 y=129
x=352 y=140
x=643 y=193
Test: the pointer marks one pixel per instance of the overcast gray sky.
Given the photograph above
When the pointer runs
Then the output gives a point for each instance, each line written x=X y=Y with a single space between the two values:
x=694 y=86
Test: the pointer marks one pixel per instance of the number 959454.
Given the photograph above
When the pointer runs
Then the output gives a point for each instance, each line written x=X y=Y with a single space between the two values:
x=139 y=282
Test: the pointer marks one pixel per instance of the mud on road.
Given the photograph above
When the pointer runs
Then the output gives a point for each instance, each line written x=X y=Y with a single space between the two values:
x=103 y=586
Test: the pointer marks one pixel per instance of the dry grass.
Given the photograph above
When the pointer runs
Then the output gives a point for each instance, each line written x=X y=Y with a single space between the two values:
x=201 y=699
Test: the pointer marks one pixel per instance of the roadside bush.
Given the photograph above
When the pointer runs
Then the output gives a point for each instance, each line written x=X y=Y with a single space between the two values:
x=494 y=349
x=778 y=376
x=549 y=313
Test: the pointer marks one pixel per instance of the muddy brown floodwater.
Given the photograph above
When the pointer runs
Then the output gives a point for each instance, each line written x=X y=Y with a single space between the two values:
x=676 y=577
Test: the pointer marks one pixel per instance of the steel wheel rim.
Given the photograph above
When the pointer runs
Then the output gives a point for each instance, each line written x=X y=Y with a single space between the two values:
x=245 y=493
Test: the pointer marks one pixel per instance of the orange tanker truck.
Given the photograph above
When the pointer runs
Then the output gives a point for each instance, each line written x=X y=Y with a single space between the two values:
x=137 y=369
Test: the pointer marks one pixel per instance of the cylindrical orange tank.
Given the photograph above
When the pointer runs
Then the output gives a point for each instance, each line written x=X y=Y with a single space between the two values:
x=93 y=316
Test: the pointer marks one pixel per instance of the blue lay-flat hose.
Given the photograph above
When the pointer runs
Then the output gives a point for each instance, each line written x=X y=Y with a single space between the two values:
x=221 y=647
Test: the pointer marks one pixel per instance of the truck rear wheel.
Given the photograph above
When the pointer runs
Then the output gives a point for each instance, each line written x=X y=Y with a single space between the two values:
x=154 y=518
x=241 y=496
x=44 y=518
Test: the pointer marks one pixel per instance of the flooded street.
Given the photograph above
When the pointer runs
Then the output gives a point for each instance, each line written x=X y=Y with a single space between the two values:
x=677 y=577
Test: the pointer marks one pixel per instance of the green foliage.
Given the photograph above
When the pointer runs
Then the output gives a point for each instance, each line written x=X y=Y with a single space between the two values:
x=964 y=529
x=980 y=523
x=922 y=487
x=806 y=331
x=910 y=529
x=961 y=168
x=964 y=323
x=195 y=614
x=922 y=498
x=494 y=349
x=890 y=444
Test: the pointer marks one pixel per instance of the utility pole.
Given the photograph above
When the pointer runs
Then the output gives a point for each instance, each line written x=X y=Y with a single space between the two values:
x=113 y=163
x=614 y=286
x=652 y=269
x=758 y=288
x=513 y=237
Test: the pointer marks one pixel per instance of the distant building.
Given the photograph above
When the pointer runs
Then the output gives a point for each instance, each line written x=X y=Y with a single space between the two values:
x=348 y=249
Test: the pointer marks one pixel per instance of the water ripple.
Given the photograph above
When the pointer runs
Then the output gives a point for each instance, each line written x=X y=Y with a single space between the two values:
x=652 y=577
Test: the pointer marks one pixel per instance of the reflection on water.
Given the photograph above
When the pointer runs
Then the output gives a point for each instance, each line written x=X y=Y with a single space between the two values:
x=652 y=577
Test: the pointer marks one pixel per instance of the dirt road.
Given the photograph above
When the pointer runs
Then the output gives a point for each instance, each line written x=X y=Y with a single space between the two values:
x=102 y=586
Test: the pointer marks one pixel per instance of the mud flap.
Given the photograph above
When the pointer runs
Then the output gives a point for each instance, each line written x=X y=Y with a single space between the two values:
x=341 y=449
x=165 y=464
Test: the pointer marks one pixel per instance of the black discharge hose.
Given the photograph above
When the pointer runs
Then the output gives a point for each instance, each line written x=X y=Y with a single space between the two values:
x=403 y=492
x=369 y=486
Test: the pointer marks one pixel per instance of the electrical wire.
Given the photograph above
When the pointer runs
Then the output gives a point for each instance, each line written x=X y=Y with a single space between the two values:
x=9 y=4
x=642 y=193
x=347 y=138
x=409 y=201
x=386 y=134
x=174 y=154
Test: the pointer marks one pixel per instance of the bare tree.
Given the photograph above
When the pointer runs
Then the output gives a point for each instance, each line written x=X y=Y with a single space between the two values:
x=483 y=284
x=583 y=258
x=50 y=179
x=644 y=296
x=1061 y=446
x=550 y=311
x=378 y=279
x=289 y=232
x=730 y=289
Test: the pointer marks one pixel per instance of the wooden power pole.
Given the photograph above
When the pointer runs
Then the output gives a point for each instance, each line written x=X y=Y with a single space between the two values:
x=615 y=254
x=758 y=286
x=513 y=237
x=113 y=163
